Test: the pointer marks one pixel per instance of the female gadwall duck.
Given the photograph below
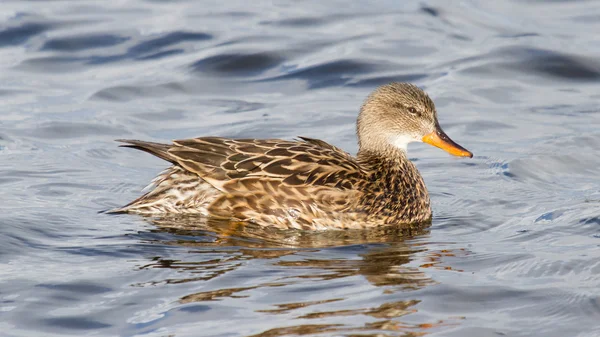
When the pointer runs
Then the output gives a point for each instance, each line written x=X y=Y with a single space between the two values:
x=307 y=183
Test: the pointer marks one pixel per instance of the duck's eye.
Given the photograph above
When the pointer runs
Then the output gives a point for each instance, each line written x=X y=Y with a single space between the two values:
x=412 y=110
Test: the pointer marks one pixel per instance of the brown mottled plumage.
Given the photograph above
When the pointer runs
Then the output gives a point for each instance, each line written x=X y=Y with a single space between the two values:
x=308 y=183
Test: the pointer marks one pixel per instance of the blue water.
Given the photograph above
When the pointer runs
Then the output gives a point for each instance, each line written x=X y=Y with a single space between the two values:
x=514 y=246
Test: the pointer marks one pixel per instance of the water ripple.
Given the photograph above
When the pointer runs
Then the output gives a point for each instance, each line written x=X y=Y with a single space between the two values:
x=513 y=247
x=78 y=43
x=242 y=64
x=537 y=62
x=20 y=34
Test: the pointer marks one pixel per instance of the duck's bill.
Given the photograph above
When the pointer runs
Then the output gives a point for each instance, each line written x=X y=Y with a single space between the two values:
x=438 y=138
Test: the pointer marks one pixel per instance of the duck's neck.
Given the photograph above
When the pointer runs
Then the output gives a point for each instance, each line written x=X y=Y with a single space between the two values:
x=395 y=185
x=393 y=158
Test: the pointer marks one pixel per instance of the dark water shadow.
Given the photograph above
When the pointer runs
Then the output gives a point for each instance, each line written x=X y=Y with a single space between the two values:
x=70 y=52
x=83 y=42
x=557 y=65
x=240 y=64
x=328 y=74
x=17 y=35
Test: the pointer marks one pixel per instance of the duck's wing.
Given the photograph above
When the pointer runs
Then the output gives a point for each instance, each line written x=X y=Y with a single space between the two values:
x=289 y=184
x=225 y=163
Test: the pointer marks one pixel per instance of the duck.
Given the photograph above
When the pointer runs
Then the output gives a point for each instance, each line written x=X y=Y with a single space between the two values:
x=306 y=183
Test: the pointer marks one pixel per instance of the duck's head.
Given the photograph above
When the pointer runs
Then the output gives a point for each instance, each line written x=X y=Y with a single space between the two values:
x=400 y=113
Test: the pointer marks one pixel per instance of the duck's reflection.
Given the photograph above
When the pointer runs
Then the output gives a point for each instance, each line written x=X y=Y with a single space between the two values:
x=226 y=233
x=382 y=256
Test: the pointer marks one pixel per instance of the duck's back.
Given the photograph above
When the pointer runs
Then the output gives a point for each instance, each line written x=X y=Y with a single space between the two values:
x=306 y=184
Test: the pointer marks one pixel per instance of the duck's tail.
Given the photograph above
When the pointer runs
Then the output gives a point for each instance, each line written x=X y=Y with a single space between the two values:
x=157 y=149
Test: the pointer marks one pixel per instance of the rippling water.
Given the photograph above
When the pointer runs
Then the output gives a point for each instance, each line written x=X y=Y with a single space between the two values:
x=514 y=246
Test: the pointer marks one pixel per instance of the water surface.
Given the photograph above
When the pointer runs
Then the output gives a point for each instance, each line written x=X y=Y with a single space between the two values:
x=513 y=249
